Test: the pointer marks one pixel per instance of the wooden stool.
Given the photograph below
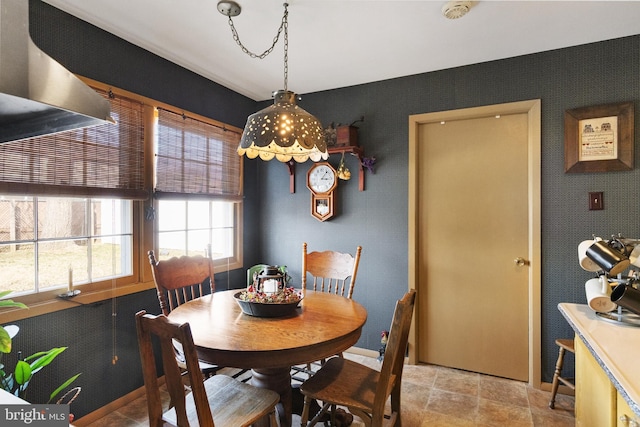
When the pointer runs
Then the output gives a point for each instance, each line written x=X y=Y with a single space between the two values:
x=564 y=344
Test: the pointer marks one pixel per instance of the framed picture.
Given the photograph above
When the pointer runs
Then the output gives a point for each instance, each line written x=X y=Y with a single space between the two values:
x=599 y=139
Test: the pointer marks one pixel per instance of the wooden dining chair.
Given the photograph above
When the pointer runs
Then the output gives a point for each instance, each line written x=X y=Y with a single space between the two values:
x=179 y=280
x=330 y=271
x=362 y=390
x=182 y=279
x=221 y=398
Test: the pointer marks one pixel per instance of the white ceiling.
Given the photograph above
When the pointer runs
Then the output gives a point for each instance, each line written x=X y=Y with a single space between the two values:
x=335 y=43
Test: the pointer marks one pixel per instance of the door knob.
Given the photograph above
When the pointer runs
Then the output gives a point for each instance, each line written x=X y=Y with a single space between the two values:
x=521 y=262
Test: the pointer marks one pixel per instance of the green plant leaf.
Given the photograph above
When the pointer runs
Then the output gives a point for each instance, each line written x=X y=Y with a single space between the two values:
x=43 y=358
x=5 y=341
x=62 y=387
x=22 y=372
x=6 y=303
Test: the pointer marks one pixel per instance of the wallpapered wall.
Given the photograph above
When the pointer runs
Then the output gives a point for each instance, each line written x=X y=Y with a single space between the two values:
x=277 y=222
x=588 y=75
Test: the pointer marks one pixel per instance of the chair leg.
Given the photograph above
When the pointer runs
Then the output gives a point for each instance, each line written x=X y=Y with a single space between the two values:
x=273 y=421
x=333 y=415
x=556 y=376
x=319 y=417
x=304 y=417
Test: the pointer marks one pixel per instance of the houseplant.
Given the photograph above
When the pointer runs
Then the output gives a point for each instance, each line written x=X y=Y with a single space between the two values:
x=17 y=381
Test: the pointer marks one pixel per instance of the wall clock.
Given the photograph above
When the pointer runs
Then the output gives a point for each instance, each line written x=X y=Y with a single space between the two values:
x=322 y=179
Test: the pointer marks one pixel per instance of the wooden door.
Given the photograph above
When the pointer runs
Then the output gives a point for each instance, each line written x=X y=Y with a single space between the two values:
x=473 y=242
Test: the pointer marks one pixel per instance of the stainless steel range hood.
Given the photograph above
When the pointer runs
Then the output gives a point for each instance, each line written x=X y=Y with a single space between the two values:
x=39 y=96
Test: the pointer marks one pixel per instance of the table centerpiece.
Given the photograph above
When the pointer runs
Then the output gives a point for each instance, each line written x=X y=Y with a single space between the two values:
x=256 y=302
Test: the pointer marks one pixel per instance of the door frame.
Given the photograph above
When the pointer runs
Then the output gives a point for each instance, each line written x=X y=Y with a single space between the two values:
x=533 y=110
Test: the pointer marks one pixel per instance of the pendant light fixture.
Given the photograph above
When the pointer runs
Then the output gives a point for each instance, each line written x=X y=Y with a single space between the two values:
x=283 y=130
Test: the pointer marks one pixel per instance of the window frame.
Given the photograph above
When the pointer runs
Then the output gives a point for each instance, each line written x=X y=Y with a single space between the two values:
x=144 y=231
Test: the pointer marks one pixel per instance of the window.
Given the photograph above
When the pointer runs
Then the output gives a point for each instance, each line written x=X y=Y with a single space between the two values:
x=196 y=227
x=198 y=186
x=67 y=202
x=80 y=203
x=46 y=242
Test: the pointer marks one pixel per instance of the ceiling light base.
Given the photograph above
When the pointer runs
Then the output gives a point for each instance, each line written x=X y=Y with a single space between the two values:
x=456 y=9
x=229 y=8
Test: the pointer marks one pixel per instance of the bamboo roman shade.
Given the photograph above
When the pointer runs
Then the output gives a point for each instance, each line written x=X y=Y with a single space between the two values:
x=100 y=161
x=194 y=158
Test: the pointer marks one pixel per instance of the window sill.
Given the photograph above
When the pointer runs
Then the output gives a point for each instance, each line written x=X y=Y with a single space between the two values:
x=53 y=303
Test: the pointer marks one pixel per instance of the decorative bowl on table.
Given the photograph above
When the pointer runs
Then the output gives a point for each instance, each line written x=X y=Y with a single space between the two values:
x=261 y=304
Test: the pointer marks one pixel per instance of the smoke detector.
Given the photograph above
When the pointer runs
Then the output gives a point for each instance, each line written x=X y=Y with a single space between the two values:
x=456 y=9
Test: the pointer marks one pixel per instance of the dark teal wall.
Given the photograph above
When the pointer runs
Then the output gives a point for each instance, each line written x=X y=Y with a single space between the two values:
x=276 y=222
x=606 y=72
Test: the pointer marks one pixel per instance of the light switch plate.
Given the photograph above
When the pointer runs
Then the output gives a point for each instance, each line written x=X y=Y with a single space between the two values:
x=596 y=201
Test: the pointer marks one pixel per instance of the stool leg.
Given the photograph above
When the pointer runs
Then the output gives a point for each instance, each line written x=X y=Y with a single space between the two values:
x=556 y=374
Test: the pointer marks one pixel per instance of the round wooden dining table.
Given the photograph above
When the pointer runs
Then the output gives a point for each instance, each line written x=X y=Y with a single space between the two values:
x=323 y=325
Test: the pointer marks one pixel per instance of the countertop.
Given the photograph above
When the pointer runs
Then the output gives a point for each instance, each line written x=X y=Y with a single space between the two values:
x=616 y=348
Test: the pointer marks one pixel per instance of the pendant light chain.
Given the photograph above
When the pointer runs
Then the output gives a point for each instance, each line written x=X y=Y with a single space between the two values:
x=284 y=26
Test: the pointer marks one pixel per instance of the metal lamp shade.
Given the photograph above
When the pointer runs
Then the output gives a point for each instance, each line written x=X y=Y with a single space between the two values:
x=284 y=131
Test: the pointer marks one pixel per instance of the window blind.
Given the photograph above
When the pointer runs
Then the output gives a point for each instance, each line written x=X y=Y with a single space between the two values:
x=101 y=161
x=194 y=158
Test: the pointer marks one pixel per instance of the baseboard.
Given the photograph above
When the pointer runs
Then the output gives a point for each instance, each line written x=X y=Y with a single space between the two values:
x=363 y=352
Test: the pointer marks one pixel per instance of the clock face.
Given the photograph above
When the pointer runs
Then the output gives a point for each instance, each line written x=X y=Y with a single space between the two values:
x=322 y=179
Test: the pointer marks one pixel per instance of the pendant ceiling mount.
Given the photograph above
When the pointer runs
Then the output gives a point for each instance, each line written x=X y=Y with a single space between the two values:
x=229 y=8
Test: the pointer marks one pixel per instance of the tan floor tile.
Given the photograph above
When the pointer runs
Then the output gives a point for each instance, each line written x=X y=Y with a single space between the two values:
x=551 y=419
x=492 y=413
x=138 y=410
x=435 y=419
x=424 y=375
x=454 y=404
x=414 y=397
x=115 y=419
x=456 y=381
x=503 y=391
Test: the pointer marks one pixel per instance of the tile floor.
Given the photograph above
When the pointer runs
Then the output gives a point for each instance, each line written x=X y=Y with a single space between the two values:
x=437 y=397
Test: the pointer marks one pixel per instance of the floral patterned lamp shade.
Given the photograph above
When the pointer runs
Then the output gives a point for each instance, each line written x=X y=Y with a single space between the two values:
x=284 y=131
